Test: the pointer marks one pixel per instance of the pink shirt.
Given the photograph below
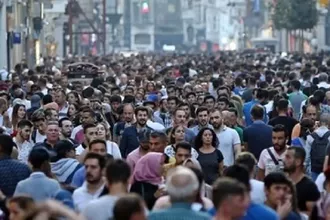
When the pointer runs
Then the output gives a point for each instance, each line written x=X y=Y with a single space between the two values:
x=267 y=164
x=133 y=158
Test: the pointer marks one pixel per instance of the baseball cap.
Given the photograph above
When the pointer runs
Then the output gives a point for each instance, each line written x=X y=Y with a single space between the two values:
x=63 y=146
x=152 y=98
x=40 y=155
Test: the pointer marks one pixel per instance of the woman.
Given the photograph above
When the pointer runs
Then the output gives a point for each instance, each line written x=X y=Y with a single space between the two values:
x=104 y=134
x=147 y=178
x=151 y=88
x=19 y=113
x=177 y=135
x=73 y=111
x=209 y=157
x=73 y=98
x=18 y=206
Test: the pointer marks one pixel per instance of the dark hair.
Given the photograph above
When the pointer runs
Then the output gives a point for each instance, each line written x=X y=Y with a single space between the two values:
x=299 y=153
x=142 y=109
x=306 y=127
x=98 y=141
x=177 y=101
x=38 y=115
x=21 y=124
x=100 y=158
x=76 y=95
x=7 y=144
x=209 y=97
x=60 y=122
x=257 y=112
x=224 y=188
x=87 y=126
x=48 y=112
x=199 y=138
x=200 y=177
x=280 y=128
x=275 y=178
x=183 y=145
x=240 y=173
x=15 y=113
x=233 y=110
x=76 y=106
x=202 y=109
x=282 y=105
x=158 y=134
x=247 y=159
x=115 y=98
x=47 y=99
x=24 y=202
x=38 y=156
x=118 y=171
x=127 y=205
x=172 y=131
x=223 y=99
x=295 y=84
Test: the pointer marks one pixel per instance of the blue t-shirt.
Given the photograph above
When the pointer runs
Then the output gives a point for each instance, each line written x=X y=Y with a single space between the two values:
x=260 y=211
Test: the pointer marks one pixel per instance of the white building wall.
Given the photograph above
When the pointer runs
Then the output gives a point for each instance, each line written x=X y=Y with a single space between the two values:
x=3 y=35
x=143 y=30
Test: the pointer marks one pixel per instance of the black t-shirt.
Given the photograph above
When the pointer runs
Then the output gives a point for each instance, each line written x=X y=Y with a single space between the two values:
x=306 y=192
x=288 y=123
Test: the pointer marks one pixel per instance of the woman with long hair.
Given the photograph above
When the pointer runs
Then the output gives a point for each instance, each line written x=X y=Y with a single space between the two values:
x=147 y=177
x=73 y=98
x=19 y=113
x=177 y=135
x=209 y=157
x=103 y=133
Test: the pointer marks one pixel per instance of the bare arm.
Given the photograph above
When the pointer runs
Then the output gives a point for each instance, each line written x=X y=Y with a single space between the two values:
x=260 y=174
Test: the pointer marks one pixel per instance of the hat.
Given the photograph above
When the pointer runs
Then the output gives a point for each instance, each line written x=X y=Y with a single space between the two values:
x=151 y=99
x=63 y=146
x=18 y=101
x=35 y=101
x=40 y=154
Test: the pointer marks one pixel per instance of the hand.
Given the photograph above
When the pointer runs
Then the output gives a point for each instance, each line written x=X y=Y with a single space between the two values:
x=284 y=209
x=160 y=192
x=52 y=207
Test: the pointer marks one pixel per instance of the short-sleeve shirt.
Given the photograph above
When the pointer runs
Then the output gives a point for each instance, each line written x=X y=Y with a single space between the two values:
x=267 y=163
x=210 y=165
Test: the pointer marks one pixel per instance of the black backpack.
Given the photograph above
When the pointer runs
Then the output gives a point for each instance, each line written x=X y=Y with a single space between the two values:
x=318 y=151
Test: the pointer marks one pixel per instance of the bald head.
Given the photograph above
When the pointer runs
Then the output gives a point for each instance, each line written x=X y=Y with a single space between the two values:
x=182 y=185
x=325 y=119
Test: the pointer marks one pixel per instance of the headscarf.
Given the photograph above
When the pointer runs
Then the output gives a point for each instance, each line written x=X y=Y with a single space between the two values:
x=148 y=168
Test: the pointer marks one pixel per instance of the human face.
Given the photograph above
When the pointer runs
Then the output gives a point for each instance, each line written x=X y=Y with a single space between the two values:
x=99 y=148
x=276 y=194
x=53 y=116
x=209 y=103
x=171 y=92
x=15 y=212
x=72 y=110
x=21 y=112
x=232 y=118
x=164 y=105
x=101 y=131
x=207 y=137
x=41 y=126
x=141 y=118
x=179 y=134
x=86 y=118
x=52 y=132
x=156 y=145
x=128 y=113
x=241 y=203
x=216 y=120
x=311 y=113
x=203 y=118
x=114 y=106
x=86 y=102
x=181 y=155
x=25 y=132
x=93 y=171
x=180 y=117
x=145 y=146
x=129 y=92
x=279 y=140
x=191 y=99
x=91 y=134
x=66 y=128
x=59 y=97
x=290 y=163
x=222 y=106
x=171 y=105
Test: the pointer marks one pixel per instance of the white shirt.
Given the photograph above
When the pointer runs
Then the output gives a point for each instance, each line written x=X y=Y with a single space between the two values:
x=39 y=137
x=81 y=197
x=257 y=191
x=228 y=138
x=24 y=150
x=112 y=148
x=267 y=164
x=320 y=182
x=101 y=208
x=323 y=85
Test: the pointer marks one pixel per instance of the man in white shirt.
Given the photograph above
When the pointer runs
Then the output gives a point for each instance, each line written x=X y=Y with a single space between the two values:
x=39 y=121
x=22 y=140
x=94 y=184
x=323 y=81
x=118 y=173
x=229 y=141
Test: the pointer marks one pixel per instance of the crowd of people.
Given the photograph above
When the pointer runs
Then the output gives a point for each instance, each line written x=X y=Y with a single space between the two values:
x=225 y=137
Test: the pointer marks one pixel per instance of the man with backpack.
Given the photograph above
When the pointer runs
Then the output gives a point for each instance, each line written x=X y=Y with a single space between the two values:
x=316 y=145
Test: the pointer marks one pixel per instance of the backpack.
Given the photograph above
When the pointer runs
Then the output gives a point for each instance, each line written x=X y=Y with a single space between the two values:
x=318 y=151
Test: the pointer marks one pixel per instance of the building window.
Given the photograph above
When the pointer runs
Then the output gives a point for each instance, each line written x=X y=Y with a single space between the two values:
x=143 y=39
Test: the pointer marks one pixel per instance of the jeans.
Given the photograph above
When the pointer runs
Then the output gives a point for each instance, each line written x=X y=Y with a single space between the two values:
x=314 y=175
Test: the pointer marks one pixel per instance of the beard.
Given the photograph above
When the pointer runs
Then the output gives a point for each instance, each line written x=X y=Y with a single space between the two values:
x=289 y=169
x=142 y=122
x=217 y=125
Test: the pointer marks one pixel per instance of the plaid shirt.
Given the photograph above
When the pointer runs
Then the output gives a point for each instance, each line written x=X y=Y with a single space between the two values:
x=166 y=117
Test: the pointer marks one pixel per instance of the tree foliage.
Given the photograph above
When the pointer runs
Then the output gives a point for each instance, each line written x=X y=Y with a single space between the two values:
x=295 y=14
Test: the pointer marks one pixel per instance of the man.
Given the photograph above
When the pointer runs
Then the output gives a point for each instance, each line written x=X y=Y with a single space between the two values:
x=257 y=136
x=11 y=171
x=261 y=97
x=296 y=97
x=172 y=103
x=39 y=159
x=87 y=116
x=317 y=143
x=283 y=118
x=51 y=114
x=271 y=159
x=229 y=144
x=294 y=165
x=209 y=102
x=52 y=136
x=240 y=173
x=40 y=126
x=130 y=207
x=22 y=140
x=119 y=127
x=257 y=193
x=117 y=174
x=94 y=184
x=157 y=141
x=139 y=152
x=223 y=103
x=35 y=105
x=277 y=187
x=182 y=187
x=164 y=113
x=203 y=117
x=90 y=133
x=113 y=117
x=229 y=193
x=247 y=95
x=323 y=81
x=66 y=129
x=60 y=99
x=129 y=141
